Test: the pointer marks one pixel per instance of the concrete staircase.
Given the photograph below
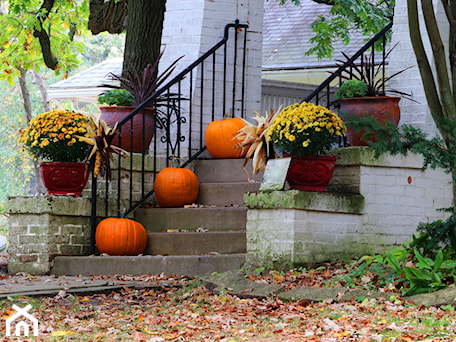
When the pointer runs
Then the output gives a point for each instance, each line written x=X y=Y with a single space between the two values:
x=206 y=237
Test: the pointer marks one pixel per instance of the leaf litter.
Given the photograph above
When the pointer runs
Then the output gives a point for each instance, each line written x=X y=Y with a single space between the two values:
x=192 y=313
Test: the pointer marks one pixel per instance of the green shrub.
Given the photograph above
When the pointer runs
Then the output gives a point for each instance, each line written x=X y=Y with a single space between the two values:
x=119 y=97
x=351 y=88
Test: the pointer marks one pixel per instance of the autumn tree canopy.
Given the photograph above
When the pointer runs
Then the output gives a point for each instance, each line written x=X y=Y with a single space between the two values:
x=42 y=32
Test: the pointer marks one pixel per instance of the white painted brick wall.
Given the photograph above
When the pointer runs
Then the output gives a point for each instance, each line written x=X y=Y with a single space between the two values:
x=393 y=208
x=416 y=114
x=193 y=27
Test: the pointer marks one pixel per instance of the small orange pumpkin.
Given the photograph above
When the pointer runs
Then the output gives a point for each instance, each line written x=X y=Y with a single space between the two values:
x=175 y=187
x=220 y=141
x=120 y=236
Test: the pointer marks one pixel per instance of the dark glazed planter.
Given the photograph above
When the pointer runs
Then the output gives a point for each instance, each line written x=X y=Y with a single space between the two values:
x=382 y=108
x=64 y=179
x=112 y=115
x=311 y=173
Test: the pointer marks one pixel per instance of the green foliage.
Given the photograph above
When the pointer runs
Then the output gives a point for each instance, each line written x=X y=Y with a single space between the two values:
x=436 y=236
x=370 y=71
x=404 y=139
x=21 y=49
x=118 y=97
x=346 y=16
x=368 y=17
x=351 y=88
x=424 y=274
x=403 y=268
x=144 y=85
x=428 y=263
x=375 y=273
x=16 y=169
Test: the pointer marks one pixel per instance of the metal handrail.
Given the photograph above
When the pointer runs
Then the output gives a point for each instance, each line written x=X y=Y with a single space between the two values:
x=165 y=123
x=326 y=83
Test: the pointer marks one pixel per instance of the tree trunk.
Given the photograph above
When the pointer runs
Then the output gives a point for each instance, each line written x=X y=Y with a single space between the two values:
x=144 y=31
x=107 y=16
x=38 y=184
x=443 y=105
x=39 y=81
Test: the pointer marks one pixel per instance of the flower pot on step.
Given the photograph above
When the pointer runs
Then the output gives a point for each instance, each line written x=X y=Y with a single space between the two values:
x=382 y=108
x=131 y=138
x=311 y=173
x=63 y=178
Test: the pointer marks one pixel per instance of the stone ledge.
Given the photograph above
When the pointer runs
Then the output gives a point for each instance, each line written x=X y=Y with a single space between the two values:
x=308 y=200
x=364 y=156
x=235 y=283
x=57 y=205
x=60 y=206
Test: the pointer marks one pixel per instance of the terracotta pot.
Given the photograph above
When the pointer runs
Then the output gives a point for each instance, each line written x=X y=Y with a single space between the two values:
x=112 y=115
x=382 y=108
x=64 y=179
x=311 y=173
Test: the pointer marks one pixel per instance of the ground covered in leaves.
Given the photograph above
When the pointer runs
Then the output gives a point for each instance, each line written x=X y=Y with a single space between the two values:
x=186 y=311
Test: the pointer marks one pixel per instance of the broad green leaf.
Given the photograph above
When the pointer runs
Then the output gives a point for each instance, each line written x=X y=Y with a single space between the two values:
x=438 y=260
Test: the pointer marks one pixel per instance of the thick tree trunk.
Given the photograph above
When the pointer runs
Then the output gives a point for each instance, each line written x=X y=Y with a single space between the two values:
x=107 y=16
x=144 y=31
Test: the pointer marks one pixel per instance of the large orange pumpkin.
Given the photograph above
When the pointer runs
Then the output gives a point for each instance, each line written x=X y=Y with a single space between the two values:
x=175 y=187
x=120 y=236
x=220 y=141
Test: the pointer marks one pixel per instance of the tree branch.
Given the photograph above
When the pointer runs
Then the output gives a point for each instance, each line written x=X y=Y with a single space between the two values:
x=448 y=12
x=430 y=88
x=39 y=32
x=438 y=50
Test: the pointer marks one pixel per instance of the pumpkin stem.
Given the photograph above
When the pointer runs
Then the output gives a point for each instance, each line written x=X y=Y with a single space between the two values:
x=175 y=160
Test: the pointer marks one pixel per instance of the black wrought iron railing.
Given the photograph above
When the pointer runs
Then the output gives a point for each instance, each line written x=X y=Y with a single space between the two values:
x=323 y=94
x=207 y=90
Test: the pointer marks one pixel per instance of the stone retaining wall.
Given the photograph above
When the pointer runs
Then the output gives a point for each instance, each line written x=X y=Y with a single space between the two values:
x=42 y=227
x=371 y=205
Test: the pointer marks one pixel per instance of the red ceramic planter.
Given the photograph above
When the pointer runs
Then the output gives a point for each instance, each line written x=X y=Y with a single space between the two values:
x=131 y=137
x=64 y=179
x=382 y=108
x=311 y=173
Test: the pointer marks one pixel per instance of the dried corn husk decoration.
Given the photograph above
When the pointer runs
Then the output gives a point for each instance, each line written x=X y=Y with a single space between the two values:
x=103 y=148
x=253 y=137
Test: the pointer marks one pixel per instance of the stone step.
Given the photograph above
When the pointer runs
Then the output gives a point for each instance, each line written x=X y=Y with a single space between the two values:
x=190 y=265
x=211 y=218
x=225 y=194
x=224 y=171
x=196 y=243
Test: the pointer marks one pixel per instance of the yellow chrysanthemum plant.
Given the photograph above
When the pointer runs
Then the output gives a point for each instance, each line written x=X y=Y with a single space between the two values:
x=305 y=129
x=53 y=136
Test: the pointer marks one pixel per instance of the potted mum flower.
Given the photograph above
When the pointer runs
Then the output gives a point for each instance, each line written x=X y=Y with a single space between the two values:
x=52 y=138
x=305 y=132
